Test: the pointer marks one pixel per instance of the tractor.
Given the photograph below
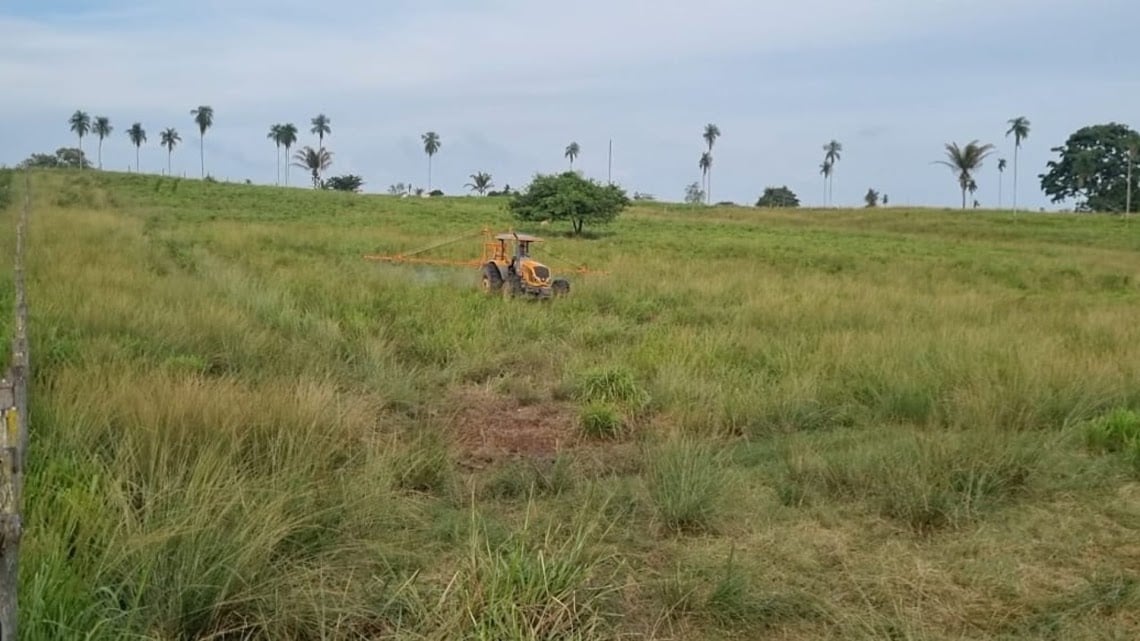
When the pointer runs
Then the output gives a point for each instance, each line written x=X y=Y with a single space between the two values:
x=506 y=265
x=508 y=268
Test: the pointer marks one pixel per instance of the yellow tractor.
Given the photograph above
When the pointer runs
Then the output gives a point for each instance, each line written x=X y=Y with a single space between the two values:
x=506 y=265
x=508 y=268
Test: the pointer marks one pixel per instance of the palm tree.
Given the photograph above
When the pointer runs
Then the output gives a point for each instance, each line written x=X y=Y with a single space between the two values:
x=288 y=137
x=103 y=129
x=169 y=138
x=275 y=135
x=321 y=127
x=431 y=147
x=138 y=136
x=572 y=151
x=825 y=171
x=1019 y=127
x=973 y=188
x=1001 y=178
x=80 y=124
x=965 y=160
x=705 y=164
x=831 y=156
x=712 y=132
x=316 y=161
x=204 y=117
x=480 y=182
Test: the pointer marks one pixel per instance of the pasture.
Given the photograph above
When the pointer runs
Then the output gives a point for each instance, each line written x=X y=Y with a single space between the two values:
x=858 y=424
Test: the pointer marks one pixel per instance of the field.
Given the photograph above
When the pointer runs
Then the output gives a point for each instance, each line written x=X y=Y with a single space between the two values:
x=881 y=424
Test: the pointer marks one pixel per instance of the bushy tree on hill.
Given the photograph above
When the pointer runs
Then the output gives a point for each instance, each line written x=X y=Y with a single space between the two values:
x=568 y=197
x=694 y=195
x=348 y=182
x=64 y=158
x=871 y=198
x=778 y=197
x=1093 y=168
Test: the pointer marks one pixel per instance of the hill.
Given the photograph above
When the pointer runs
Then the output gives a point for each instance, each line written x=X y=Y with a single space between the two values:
x=874 y=424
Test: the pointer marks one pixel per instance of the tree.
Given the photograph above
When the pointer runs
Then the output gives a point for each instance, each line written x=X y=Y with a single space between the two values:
x=431 y=147
x=825 y=171
x=480 y=182
x=569 y=197
x=712 y=132
x=973 y=189
x=886 y=200
x=321 y=127
x=288 y=137
x=694 y=195
x=831 y=154
x=316 y=161
x=963 y=161
x=348 y=182
x=204 y=118
x=64 y=158
x=572 y=151
x=1093 y=168
x=138 y=136
x=103 y=129
x=275 y=135
x=778 y=197
x=705 y=164
x=169 y=138
x=1001 y=178
x=1019 y=128
x=872 y=198
x=80 y=124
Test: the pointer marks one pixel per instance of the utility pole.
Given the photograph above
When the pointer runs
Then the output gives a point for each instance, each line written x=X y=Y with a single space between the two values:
x=1128 y=196
x=610 y=165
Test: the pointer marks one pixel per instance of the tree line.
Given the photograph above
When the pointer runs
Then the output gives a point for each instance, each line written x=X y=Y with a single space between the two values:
x=1096 y=165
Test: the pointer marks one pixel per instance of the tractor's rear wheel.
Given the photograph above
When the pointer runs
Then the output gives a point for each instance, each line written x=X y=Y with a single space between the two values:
x=492 y=279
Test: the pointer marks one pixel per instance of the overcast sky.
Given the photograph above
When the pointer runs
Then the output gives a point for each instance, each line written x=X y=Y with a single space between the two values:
x=509 y=83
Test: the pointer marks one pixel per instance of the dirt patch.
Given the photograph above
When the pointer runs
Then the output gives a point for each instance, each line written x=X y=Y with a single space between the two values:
x=489 y=426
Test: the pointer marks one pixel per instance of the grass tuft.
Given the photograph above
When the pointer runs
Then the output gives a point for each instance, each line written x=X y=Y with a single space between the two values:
x=601 y=421
x=687 y=484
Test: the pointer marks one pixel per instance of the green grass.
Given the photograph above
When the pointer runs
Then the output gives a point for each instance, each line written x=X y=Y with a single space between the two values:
x=890 y=424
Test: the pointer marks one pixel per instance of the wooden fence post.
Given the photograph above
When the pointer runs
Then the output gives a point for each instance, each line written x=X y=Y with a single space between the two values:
x=14 y=438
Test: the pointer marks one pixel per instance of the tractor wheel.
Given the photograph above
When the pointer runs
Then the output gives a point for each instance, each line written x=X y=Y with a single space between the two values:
x=561 y=286
x=512 y=286
x=492 y=279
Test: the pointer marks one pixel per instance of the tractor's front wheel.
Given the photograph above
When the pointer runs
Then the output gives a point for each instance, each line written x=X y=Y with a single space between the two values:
x=560 y=286
x=492 y=279
x=512 y=286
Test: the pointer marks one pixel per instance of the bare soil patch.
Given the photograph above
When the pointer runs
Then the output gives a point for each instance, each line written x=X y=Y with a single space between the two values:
x=488 y=427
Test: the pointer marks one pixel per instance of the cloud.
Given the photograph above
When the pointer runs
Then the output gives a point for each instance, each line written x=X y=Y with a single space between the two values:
x=509 y=82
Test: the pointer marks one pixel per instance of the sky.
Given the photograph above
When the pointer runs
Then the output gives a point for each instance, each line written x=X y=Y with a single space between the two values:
x=508 y=84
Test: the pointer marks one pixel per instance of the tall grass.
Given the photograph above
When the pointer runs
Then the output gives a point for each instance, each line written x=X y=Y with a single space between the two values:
x=245 y=431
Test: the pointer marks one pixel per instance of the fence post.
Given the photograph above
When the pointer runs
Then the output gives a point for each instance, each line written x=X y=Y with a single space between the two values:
x=14 y=438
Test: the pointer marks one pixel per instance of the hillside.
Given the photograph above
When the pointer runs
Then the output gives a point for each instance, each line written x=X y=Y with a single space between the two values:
x=874 y=424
